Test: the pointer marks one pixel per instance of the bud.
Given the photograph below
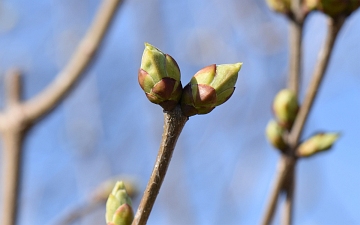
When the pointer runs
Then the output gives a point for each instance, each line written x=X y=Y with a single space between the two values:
x=275 y=135
x=285 y=107
x=317 y=143
x=333 y=8
x=124 y=215
x=118 y=206
x=159 y=77
x=281 y=6
x=208 y=88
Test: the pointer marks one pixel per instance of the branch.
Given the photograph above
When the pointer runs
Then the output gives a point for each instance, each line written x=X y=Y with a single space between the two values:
x=284 y=163
x=288 y=172
x=174 y=121
x=56 y=91
x=12 y=131
x=320 y=69
x=18 y=116
x=296 y=30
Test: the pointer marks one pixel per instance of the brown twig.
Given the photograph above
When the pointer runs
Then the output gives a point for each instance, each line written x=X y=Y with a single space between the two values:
x=334 y=26
x=174 y=121
x=284 y=163
x=18 y=116
x=47 y=99
x=12 y=131
x=288 y=172
x=296 y=30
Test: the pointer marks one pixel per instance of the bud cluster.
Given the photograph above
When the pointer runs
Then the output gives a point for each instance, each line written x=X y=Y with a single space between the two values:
x=159 y=77
x=333 y=8
x=285 y=108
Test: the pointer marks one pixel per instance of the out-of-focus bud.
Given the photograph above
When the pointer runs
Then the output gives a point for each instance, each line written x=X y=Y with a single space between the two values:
x=159 y=77
x=333 y=8
x=101 y=193
x=275 y=135
x=118 y=206
x=281 y=6
x=208 y=88
x=124 y=215
x=285 y=107
x=317 y=143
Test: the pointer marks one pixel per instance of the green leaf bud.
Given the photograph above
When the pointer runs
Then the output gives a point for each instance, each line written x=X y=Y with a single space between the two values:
x=281 y=6
x=159 y=77
x=124 y=215
x=275 y=135
x=333 y=8
x=117 y=198
x=317 y=143
x=285 y=107
x=208 y=88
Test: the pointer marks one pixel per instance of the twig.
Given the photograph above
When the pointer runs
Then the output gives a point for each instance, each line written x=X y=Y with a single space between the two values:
x=19 y=116
x=174 y=121
x=284 y=163
x=320 y=69
x=288 y=189
x=81 y=58
x=12 y=132
x=296 y=30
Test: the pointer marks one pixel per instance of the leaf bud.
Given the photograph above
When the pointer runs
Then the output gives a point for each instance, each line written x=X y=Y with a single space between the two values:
x=208 y=88
x=317 y=143
x=159 y=77
x=285 y=107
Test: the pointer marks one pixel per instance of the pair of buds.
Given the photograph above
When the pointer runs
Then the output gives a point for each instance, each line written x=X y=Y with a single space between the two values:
x=285 y=108
x=332 y=8
x=159 y=77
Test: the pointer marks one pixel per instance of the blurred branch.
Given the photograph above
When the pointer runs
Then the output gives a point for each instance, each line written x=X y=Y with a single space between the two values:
x=96 y=200
x=18 y=116
x=174 y=121
x=285 y=178
x=282 y=171
x=334 y=26
x=46 y=100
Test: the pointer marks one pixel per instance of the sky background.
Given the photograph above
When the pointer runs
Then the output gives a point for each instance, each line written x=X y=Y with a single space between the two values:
x=222 y=167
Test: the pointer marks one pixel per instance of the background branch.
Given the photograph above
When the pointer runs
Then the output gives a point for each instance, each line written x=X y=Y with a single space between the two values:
x=334 y=26
x=47 y=99
x=174 y=121
x=18 y=117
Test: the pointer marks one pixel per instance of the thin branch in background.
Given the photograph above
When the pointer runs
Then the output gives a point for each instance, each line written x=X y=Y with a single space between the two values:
x=289 y=189
x=65 y=80
x=174 y=121
x=284 y=163
x=95 y=200
x=12 y=132
x=296 y=30
x=19 y=116
x=334 y=26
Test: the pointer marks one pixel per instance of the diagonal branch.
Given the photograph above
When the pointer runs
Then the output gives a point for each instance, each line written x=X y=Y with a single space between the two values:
x=56 y=91
x=319 y=72
x=18 y=116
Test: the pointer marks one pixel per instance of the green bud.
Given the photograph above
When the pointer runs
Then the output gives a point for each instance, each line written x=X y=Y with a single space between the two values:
x=208 y=88
x=281 y=6
x=159 y=77
x=275 y=135
x=117 y=198
x=285 y=107
x=124 y=215
x=317 y=143
x=333 y=8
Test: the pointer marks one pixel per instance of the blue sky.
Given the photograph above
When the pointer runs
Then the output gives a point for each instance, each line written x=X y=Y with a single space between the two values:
x=223 y=166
